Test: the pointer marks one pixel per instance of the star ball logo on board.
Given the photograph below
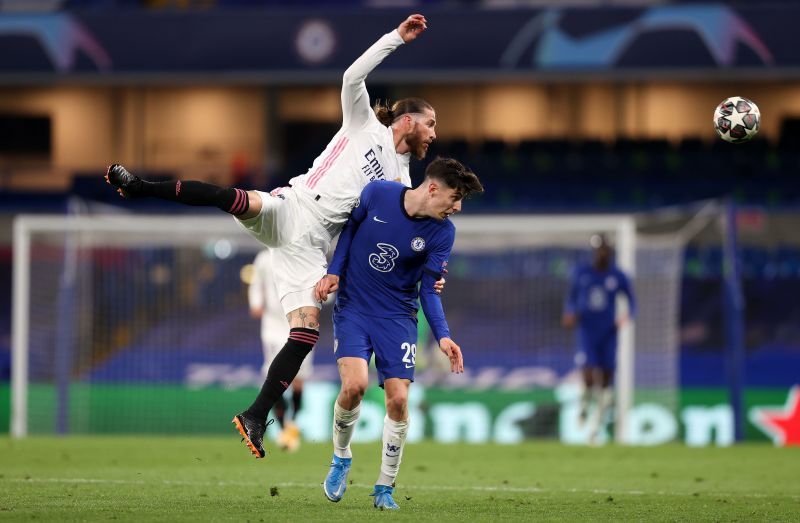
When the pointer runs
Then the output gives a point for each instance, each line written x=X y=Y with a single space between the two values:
x=780 y=424
x=418 y=244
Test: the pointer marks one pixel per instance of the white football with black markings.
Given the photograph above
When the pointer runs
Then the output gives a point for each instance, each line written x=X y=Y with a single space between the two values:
x=737 y=119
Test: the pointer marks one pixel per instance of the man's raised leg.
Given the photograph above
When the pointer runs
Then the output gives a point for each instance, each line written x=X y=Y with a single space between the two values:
x=238 y=202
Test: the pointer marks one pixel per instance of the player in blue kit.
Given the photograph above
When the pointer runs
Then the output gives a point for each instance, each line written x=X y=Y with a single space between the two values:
x=395 y=239
x=591 y=304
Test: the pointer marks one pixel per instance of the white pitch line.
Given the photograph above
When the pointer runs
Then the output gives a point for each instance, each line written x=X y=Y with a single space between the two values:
x=538 y=490
x=457 y=488
x=530 y=490
x=137 y=482
x=76 y=480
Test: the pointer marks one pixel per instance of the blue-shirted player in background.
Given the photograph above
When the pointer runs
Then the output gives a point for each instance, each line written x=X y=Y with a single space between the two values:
x=591 y=304
x=395 y=238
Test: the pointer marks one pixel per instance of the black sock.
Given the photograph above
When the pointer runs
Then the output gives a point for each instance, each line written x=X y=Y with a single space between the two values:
x=283 y=370
x=297 y=402
x=229 y=199
x=280 y=410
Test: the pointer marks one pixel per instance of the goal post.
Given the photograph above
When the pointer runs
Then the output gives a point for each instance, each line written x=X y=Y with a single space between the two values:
x=20 y=311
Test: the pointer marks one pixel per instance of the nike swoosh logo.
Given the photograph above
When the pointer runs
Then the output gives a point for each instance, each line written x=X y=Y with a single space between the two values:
x=409 y=366
x=378 y=219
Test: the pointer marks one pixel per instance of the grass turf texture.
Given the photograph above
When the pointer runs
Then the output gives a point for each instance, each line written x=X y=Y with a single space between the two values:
x=214 y=479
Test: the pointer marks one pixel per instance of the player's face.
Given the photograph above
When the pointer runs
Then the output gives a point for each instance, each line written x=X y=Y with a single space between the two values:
x=602 y=257
x=444 y=201
x=423 y=132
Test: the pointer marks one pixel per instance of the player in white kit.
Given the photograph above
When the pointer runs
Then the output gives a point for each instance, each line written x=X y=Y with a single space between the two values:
x=264 y=302
x=298 y=222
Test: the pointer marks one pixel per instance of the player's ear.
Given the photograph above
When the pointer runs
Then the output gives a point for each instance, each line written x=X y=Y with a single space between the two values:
x=409 y=121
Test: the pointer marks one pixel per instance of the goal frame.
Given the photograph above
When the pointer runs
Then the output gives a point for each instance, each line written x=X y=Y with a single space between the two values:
x=622 y=226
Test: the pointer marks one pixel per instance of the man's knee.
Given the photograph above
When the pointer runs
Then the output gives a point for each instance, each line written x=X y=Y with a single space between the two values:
x=253 y=207
x=607 y=378
x=354 y=389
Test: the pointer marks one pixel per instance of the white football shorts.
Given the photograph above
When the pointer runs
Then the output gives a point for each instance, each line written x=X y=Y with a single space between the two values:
x=299 y=245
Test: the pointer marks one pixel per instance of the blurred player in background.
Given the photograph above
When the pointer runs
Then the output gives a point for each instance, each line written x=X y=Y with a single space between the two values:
x=262 y=295
x=591 y=305
x=299 y=222
x=395 y=239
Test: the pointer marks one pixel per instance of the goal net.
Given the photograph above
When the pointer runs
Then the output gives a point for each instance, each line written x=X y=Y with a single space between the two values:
x=509 y=281
x=139 y=323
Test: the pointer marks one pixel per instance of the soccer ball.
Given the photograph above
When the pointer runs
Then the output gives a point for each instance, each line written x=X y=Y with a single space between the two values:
x=737 y=119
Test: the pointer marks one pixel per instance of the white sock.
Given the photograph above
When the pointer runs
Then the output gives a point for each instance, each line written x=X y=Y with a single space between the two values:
x=394 y=438
x=605 y=403
x=344 y=423
x=605 y=396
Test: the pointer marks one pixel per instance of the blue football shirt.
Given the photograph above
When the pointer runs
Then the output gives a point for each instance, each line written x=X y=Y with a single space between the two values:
x=592 y=298
x=388 y=261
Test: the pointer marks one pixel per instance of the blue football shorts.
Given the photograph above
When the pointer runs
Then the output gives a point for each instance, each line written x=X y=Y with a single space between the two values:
x=392 y=340
x=597 y=351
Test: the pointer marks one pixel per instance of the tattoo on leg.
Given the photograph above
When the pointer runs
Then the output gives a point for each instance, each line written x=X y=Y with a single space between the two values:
x=306 y=321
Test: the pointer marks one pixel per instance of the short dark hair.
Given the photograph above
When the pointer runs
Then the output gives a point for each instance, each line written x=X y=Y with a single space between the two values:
x=387 y=115
x=455 y=175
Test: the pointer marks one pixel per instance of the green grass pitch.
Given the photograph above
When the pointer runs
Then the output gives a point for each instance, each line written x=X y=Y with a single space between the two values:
x=214 y=479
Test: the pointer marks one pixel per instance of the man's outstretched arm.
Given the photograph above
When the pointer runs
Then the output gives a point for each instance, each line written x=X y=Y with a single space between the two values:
x=238 y=202
x=356 y=109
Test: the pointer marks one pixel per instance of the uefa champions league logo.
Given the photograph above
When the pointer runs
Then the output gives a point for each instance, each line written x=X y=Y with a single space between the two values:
x=62 y=37
x=543 y=43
